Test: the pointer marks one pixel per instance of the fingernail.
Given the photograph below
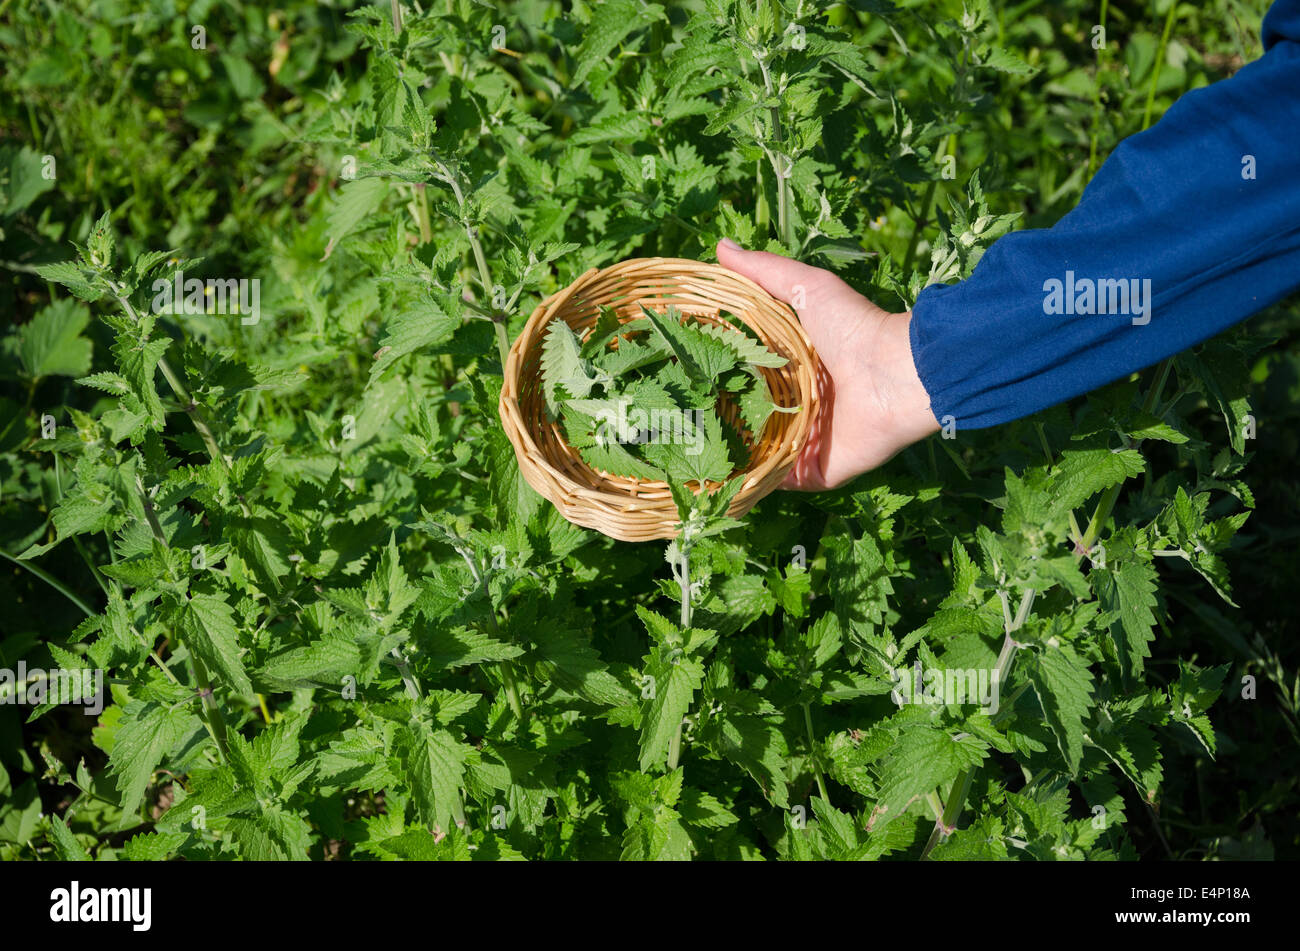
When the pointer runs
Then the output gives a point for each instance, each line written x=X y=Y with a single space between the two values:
x=728 y=243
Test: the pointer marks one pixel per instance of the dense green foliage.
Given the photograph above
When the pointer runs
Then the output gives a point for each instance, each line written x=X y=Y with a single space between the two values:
x=335 y=622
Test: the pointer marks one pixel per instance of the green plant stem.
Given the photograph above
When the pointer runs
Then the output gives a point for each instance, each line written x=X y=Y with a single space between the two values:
x=503 y=340
x=947 y=823
x=1096 y=94
x=1159 y=63
x=413 y=691
x=936 y=805
x=782 y=174
x=192 y=410
x=53 y=582
x=507 y=671
x=404 y=670
x=150 y=515
x=1008 y=704
x=675 y=749
x=812 y=754
x=512 y=690
x=762 y=211
x=90 y=563
x=187 y=402
x=917 y=229
x=422 y=219
x=211 y=710
x=923 y=213
x=76 y=540
x=1099 y=516
x=684 y=582
x=212 y=715
x=1042 y=441
x=480 y=263
x=1076 y=533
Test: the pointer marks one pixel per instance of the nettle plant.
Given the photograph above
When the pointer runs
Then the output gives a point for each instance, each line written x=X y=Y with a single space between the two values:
x=337 y=622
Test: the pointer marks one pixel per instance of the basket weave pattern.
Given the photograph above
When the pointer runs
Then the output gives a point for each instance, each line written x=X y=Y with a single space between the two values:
x=632 y=509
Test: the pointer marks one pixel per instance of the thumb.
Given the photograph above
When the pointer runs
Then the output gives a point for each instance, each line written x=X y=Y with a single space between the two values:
x=780 y=276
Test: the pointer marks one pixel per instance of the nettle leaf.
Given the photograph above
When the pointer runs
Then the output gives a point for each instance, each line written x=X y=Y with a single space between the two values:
x=1221 y=372
x=659 y=629
x=1082 y=473
x=921 y=759
x=608 y=325
x=566 y=658
x=435 y=768
x=272 y=834
x=656 y=832
x=691 y=393
x=754 y=745
x=65 y=844
x=631 y=355
x=89 y=507
x=1064 y=685
x=648 y=395
x=675 y=680
x=208 y=628
x=703 y=810
x=1128 y=593
x=1147 y=426
x=756 y=404
x=698 y=455
x=21 y=179
x=411 y=331
x=611 y=458
x=611 y=24
x=617 y=127
x=356 y=201
x=1131 y=745
x=1005 y=61
x=145 y=733
x=746 y=347
x=564 y=371
x=50 y=344
x=110 y=383
x=859 y=577
x=1191 y=695
x=703 y=357
x=266 y=545
x=460 y=647
x=81 y=280
x=324 y=662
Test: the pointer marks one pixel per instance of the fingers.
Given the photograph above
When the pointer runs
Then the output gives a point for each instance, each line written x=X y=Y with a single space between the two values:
x=821 y=299
x=780 y=276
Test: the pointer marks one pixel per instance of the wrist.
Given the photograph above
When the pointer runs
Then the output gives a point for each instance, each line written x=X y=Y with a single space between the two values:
x=908 y=400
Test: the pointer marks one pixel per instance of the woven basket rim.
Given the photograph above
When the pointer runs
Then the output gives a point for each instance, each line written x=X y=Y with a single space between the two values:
x=604 y=502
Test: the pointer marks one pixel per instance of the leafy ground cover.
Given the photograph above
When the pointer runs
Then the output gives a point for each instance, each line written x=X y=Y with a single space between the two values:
x=333 y=621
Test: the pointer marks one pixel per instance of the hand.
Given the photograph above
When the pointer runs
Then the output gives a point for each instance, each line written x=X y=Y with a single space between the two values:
x=875 y=405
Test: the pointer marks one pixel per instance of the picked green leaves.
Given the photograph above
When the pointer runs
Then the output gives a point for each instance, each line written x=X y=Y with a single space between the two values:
x=660 y=397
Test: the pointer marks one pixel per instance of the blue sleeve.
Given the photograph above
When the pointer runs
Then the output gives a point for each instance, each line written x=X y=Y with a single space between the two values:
x=1186 y=229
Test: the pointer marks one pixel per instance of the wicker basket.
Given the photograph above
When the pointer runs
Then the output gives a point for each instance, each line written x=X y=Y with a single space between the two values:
x=632 y=509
